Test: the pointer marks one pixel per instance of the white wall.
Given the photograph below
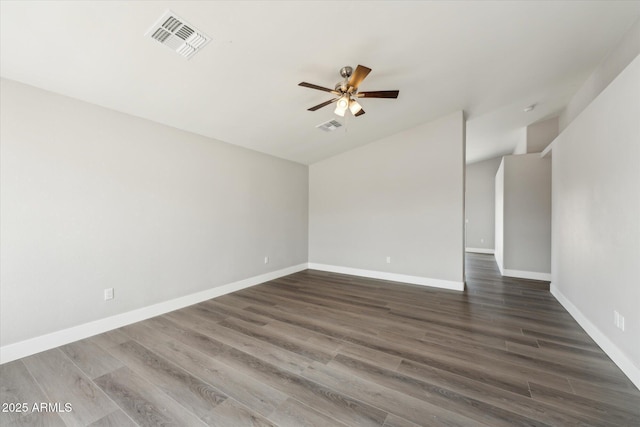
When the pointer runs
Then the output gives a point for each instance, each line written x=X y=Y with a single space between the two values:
x=480 y=205
x=527 y=216
x=596 y=218
x=93 y=199
x=521 y=147
x=499 y=210
x=401 y=196
x=523 y=217
x=607 y=70
x=540 y=135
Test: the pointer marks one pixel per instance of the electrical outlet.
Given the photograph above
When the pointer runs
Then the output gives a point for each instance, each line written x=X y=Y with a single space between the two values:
x=618 y=320
x=108 y=294
x=388 y=260
x=266 y=260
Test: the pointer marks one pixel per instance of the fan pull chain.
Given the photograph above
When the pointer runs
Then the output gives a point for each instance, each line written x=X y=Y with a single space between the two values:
x=346 y=122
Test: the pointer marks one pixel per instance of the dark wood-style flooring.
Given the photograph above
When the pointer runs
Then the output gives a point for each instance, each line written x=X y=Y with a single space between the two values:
x=321 y=349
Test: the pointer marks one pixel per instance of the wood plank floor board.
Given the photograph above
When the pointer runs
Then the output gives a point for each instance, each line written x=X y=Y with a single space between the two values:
x=627 y=399
x=190 y=317
x=344 y=314
x=372 y=322
x=186 y=335
x=578 y=361
x=567 y=350
x=514 y=381
x=488 y=329
x=525 y=363
x=233 y=413
x=541 y=306
x=92 y=359
x=523 y=318
x=109 y=339
x=388 y=400
x=205 y=312
x=232 y=300
x=376 y=295
x=63 y=382
x=325 y=342
x=340 y=324
x=321 y=299
x=349 y=321
x=453 y=337
x=269 y=352
x=509 y=379
x=234 y=312
x=17 y=386
x=482 y=358
x=540 y=293
x=317 y=348
x=292 y=413
x=464 y=316
x=115 y=419
x=529 y=322
x=324 y=399
x=516 y=384
x=278 y=339
x=249 y=298
x=396 y=421
x=143 y=402
x=495 y=396
x=378 y=358
x=585 y=343
x=579 y=404
x=490 y=317
x=47 y=419
x=298 y=320
x=459 y=394
x=191 y=392
x=244 y=389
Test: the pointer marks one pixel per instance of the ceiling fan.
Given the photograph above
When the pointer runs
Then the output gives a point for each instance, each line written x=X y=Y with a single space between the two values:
x=347 y=91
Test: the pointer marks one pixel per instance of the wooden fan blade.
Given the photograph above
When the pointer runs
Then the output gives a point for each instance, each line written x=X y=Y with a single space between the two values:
x=359 y=113
x=312 y=86
x=324 y=104
x=358 y=76
x=379 y=94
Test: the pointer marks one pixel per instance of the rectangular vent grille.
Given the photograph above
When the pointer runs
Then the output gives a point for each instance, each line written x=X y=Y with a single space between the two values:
x=173 y=32
x=329 y=126
x=184 y=32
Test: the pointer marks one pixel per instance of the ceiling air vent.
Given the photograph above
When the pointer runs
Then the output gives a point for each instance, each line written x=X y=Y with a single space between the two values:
x=329 y=126
x=181 y=37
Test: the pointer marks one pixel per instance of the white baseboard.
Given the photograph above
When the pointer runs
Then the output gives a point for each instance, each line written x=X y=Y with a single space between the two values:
x=480 y=251
x=619 y=358
x=414 y=280
x=499 y=264
x=520 y=274
x=55 y=339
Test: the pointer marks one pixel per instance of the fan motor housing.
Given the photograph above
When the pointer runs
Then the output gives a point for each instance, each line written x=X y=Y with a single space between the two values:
x=346 y=72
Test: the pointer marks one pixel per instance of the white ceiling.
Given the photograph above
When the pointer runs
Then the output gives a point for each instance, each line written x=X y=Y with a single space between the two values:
x=489 y=59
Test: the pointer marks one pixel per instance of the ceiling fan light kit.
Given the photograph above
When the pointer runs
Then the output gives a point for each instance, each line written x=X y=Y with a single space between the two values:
x=342 y=105
x=355 y=107
x=347 y=90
